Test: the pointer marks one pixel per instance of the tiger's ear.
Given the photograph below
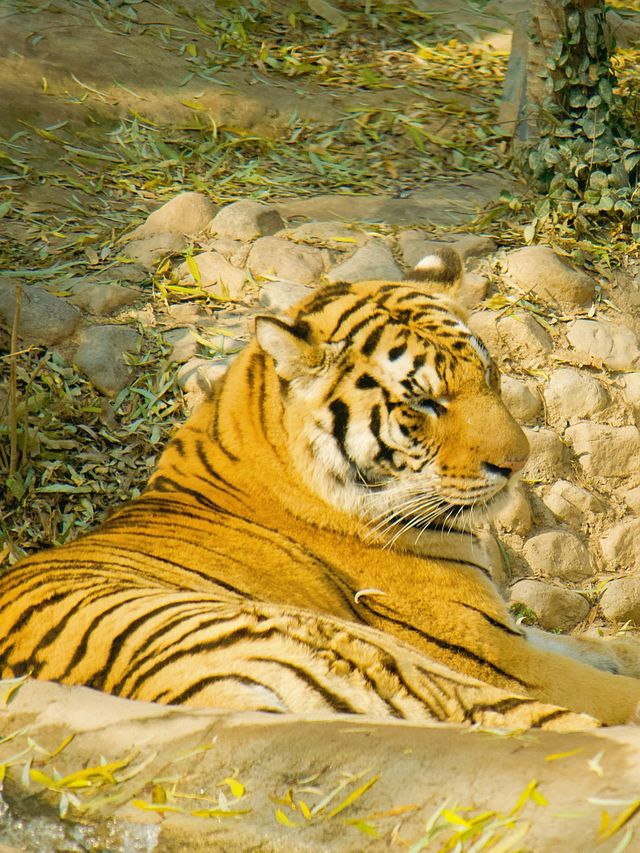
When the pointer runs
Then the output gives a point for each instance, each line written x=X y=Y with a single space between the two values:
x=440 y=271
x=288 y=345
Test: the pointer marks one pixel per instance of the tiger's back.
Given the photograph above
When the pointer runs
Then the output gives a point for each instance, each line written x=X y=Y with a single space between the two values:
x=305 y=544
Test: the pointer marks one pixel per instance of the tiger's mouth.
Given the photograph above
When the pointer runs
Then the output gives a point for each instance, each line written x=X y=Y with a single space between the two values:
x=445 y=510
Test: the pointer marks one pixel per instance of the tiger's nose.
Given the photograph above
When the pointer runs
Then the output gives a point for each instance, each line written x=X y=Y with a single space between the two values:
x=507 y=468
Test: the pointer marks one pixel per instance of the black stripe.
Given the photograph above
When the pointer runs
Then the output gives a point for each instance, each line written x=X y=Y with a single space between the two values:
x=443 y=644
x=372 y=340
x=203 y=683
x=359 y=303
x=340 y=412
x=495 y=622
x=364 y=382
x=339 y=704
x=397 y=351
x=81 y=649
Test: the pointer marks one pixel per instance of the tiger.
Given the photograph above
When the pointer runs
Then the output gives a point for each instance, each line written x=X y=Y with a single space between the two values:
x=311 y=541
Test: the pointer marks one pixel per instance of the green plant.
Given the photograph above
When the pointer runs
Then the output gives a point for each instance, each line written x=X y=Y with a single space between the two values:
x=588 y=160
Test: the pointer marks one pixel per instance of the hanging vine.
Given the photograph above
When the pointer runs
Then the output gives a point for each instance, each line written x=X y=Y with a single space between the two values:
x=586 y=159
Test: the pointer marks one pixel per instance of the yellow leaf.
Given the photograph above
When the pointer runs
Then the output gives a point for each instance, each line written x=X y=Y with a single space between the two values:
x=282 y=818
x=155 y=807
x=65 y=743
x=193 y=269
x=353 y=796
x=454 y=818
x=38 y=776
x=193 y=105
x=555 y=756
x=304 y=808
x=236 y=787
x=618 y=822
x=158 y=795
x=529 y=793
x=218 y=812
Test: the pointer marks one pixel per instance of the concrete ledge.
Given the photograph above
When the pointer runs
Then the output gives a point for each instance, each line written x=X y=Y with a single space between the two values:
x=390 y=779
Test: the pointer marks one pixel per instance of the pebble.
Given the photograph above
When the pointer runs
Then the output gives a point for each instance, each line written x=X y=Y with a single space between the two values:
x=620 y=601
x=279 y=296
x=100 y=356
x=515 y=515
x=217 y=275
x=523 y=337
x=555 y=608
x=45 y=319
x=149 y=250
x=572 y=394
x=621 y=546
x=235 y=251
x=632 y=500
x=186 y=214
x=332 y=234
x=415 y=244
x=484 y=325
x=631 y=391
x=606 y=451
x=614 y=344
x=472 y=290
x=373 y=262
x=102 y=299
x=558 y=554
x=183 y=345
x=547 y=455
x=569 y=502
x=539 y=270
x=246 y=220
x=523 y=403
x=272 y=257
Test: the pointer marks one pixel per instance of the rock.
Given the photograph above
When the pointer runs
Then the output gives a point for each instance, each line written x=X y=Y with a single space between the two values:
x=569 y=502
x=474 y=245
x=100 y=356
x=333 y=235
x=186 y=214
x=631 y=391
x=606 y=451
x=415 y=244
x=523 y=337
x=183 y=344
x=547 y=456
x=484 y=325
x=246 y=220
x=217 y=275
x=523 y=403
x=373 y=261
x=571 y=395
x=621 y=546
x=45 y=319
x=198 y=376
x=540 y=270
x=149 y=250
x=558 y=554
x=632 y=500
x=515 y=515
x=620 y=601
x=185 y=312
x=472 y=290
x=102 y=299
x=235 y=251
x=272 y=257
x=132 y=273
x=555 y=608
x=282 y=295
x=614 y=344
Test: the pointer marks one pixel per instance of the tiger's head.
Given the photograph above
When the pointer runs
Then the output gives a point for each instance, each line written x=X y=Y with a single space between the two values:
x=392 y=405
